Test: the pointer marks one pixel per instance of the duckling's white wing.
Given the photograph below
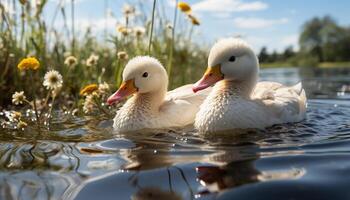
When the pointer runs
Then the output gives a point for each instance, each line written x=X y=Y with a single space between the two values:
x=285 y=103
x=186 y=93
x=182 y=103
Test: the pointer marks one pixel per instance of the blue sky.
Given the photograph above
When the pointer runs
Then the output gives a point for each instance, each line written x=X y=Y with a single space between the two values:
x=272 y=23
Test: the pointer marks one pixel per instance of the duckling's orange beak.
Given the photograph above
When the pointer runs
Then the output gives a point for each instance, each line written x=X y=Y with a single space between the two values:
x=126 y=89
x=210 y=77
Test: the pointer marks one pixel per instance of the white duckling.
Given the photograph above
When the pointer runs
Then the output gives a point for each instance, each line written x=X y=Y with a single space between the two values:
x=238 y=101
x=151 y=106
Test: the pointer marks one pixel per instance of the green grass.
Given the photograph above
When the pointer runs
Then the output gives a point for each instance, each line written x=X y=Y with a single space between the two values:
x=321 y=65
x=276 y=65
x=28 y=34
x=334 y=64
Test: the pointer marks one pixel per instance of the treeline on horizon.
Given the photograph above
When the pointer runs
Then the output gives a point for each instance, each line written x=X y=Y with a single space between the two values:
x=321 y=40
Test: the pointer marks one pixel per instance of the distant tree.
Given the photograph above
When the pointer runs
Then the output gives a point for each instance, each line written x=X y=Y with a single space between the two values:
x=325 y=39
x=311 y=39
x=274 y=56
x=263 y=55
x=321 y=40
x=288 y=53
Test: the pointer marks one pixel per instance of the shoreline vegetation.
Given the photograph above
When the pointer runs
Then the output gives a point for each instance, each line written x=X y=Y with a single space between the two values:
x=322 y=43
x=84 y=56
x=50 y=71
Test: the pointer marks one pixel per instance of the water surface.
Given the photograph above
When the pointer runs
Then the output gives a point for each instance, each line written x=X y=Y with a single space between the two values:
x=81 y=158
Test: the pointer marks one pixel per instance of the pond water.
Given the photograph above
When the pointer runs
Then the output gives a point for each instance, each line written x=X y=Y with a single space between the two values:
x=81 y=158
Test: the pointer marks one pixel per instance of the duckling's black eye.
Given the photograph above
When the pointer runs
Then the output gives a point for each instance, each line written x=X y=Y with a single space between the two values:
x=145 y=75
x=232 y=59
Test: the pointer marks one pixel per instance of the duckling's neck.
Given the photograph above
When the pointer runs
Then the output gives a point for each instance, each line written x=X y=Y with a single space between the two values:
x=150 y=101
x=238 y=88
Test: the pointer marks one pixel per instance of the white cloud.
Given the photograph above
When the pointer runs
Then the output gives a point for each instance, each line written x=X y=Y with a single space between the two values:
x=97 y=25
x=229 y=6
x=66 y=1
x=257 y=42
x=278 y=43
x=253 y=23
x=290 y=40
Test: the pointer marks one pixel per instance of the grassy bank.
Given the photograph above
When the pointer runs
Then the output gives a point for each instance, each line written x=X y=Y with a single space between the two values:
x=46 y=68
x=321 y=65
x=83 y=57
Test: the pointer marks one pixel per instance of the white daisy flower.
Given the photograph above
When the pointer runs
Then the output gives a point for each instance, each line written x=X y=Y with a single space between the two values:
x=89 y=104
x=18 y=98
x=122 y=55
x=128 y=10
x=71 y=61
x=103 y=88
x=53 y=80
x=169 y=26
x=139 y=31
x=123 y=30
x=92 y=60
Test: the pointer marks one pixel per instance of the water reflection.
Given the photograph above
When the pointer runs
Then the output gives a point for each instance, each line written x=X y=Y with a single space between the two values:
x=81 y=157
x=231 y=175
x=317 y=82
x=38 y=185
x=155 y=194
x=234 y=174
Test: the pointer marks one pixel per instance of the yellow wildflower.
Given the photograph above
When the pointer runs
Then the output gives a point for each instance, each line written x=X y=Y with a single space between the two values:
x=23 y=1
x=29 y=63
x=184 y=7
x=16 y=115
x=88 y=89
x=194 y=20
x=21 y=125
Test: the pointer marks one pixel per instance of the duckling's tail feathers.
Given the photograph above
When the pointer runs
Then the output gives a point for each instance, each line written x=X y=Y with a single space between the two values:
x=302 y=99
x=298 y=88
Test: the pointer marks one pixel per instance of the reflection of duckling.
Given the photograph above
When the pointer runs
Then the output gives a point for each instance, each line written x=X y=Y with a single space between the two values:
x=152 y=106
x=239 y=173
x=231 y=175
x=155 y=194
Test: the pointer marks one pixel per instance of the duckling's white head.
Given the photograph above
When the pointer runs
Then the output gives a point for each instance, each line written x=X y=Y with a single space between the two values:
x=229 y=59
x=142 y=74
